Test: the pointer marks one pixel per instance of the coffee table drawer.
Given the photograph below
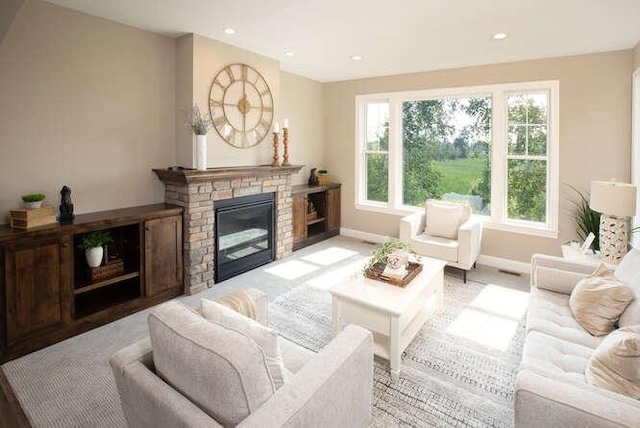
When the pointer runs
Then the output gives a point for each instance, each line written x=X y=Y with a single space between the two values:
x=365 y=317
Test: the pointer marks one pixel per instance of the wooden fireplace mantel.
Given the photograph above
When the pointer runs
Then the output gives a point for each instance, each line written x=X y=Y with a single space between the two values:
x=222 y=173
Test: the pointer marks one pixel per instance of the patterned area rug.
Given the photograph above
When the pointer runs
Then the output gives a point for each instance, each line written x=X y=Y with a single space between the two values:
x=460 y=369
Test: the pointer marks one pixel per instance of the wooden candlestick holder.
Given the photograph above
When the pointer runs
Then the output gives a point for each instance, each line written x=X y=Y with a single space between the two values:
x=275 y=161
x=285 y=142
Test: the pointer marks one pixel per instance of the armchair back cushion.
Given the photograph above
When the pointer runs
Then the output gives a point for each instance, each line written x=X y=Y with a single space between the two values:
x=629 y=272
x=266 y=338
x=444 y=218
x=227 y=382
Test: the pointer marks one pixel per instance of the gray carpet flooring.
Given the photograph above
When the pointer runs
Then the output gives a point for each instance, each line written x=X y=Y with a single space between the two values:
x=454 y=373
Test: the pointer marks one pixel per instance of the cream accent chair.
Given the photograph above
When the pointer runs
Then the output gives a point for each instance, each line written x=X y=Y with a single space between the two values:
x=330 y=388
x=445 y=231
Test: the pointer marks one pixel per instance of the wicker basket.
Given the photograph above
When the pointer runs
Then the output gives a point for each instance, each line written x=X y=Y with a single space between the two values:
x=112 y=268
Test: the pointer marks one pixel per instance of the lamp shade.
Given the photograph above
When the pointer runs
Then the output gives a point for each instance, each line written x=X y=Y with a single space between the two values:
x=613 y=198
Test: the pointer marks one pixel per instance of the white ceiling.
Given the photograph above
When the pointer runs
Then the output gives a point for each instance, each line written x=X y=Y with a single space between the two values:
x=393 y=37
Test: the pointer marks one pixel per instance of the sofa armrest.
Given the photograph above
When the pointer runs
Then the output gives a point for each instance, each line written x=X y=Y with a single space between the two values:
x=412 y=225
x=558 y=274
x=147 y=401
x=333 y=389
x=541 y=401
x=469 y=242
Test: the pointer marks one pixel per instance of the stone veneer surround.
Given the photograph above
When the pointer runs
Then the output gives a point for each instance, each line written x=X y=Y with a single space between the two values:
x=197 y=191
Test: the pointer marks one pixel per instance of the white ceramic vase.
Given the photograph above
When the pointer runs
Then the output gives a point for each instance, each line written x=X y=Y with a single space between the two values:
x=94 y=256
x=201 y=152
x=33 y=205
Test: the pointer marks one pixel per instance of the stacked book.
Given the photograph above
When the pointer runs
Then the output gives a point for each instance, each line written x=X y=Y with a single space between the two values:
x=27 y=219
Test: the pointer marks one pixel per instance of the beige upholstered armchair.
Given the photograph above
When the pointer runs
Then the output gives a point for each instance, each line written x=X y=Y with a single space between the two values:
x=214 y=369
x=445 y=231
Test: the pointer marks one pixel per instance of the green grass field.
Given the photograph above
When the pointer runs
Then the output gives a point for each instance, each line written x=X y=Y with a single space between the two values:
x=459 y=175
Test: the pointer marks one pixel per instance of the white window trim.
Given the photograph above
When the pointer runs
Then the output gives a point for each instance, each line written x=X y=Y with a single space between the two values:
x=498 y=219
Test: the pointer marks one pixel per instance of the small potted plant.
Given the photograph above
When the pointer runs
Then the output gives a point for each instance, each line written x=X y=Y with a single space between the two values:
x=33 y=200
x=93 y=243
x=380 y=256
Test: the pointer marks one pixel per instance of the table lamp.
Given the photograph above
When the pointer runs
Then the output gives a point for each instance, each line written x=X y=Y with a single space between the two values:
x=616 y=202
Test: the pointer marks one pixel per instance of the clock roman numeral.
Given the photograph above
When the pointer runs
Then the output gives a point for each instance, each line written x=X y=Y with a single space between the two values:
x=219 y=121
x=215 y=103
x=230 y=74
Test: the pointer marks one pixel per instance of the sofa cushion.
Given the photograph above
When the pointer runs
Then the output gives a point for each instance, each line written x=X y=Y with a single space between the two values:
x=294 y=355
x=629 y=272
x=615 y=364
x=264 y=337
x=598 y=300
x=219 y=369
x=549 y=313
x=444 y=218
x=562 y=360
x=433 y=246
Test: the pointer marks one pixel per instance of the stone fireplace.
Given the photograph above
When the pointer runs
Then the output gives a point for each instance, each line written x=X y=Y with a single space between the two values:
x=198 y=191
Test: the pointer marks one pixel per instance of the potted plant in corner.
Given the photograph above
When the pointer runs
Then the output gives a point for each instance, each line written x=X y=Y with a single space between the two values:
x=93 y=243
x=33 y=200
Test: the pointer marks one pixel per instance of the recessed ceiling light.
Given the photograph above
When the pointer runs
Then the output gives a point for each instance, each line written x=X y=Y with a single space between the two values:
x=289 y=53
x=229 y=31
x=499 y=36
x=356 y=57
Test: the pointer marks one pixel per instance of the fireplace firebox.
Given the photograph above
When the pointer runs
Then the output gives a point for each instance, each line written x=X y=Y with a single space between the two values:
x=243 y=234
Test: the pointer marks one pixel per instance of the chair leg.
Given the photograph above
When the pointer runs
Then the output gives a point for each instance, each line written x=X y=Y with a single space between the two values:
x=474 y=265
x=464 y=276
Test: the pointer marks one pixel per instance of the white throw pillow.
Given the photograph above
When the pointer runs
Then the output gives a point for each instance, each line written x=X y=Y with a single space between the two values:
x=223 y=371
x=264 y=337
x=615 y=364
x=598 y=300
x=629 y=272
x=443 y=219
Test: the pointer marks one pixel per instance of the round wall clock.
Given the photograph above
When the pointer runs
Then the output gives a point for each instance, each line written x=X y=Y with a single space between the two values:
x=241 y=105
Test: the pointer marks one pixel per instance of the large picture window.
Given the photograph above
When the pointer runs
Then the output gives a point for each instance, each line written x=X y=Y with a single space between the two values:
x=493 y=147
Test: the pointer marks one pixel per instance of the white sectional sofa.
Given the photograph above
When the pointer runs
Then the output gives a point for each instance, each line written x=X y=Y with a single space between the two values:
x=551 y=388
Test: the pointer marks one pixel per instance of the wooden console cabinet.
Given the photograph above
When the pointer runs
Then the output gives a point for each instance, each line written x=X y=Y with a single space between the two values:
x=322 y=221
x=46 y=293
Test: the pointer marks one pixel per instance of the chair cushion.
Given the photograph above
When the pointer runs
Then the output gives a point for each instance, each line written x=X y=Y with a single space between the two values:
x=264 y=337
x=444 y=218
x=549 y=313
x=438 y=248
x=615 y=364
x=221 y=370
x=629 y=272
x=598 y=300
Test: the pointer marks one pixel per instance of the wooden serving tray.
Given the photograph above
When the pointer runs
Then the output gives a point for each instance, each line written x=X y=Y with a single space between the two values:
x=375 y=273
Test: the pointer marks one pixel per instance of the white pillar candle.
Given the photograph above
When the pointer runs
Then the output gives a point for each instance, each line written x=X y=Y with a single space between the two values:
x=276 y=128
x=286 y=123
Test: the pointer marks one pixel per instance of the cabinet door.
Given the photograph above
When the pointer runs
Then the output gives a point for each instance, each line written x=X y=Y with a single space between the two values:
x=299 y=217
x=333 y=209
x=37 y=274
x=163 y=254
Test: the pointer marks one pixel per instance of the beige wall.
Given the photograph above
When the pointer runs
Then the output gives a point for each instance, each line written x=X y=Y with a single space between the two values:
x=301 y=100
x=210 y=57
x=85 y=103
x=595 y=133
x=636 y=57
x=8 y=11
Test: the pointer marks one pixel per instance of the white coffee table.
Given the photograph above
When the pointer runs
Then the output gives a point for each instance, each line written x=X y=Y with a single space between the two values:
x=393 y=314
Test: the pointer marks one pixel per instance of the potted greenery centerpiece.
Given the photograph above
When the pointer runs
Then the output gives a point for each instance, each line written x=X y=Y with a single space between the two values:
x=380 y=256
x=33 y=200
x=93 y=243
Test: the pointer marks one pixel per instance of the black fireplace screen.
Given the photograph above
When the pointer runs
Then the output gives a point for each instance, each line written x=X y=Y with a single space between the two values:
x=244 y=234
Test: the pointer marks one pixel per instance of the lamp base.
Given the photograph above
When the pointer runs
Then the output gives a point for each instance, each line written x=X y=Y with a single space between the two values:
x=614 y=238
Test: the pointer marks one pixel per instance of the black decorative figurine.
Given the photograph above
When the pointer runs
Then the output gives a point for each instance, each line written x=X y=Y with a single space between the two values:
x=313 y=178
x=66 y=207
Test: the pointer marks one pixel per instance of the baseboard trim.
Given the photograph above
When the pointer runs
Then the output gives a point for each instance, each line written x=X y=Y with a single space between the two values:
x=365 y=236
x=505 y=264
x=496 y=262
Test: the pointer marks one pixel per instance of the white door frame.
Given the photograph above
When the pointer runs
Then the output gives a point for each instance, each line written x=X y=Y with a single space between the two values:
x=635 y=150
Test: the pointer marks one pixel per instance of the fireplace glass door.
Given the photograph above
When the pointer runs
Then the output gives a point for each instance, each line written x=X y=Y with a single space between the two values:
x=244 y=234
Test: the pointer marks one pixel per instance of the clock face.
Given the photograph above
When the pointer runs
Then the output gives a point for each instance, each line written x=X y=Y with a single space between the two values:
x=241 y=105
